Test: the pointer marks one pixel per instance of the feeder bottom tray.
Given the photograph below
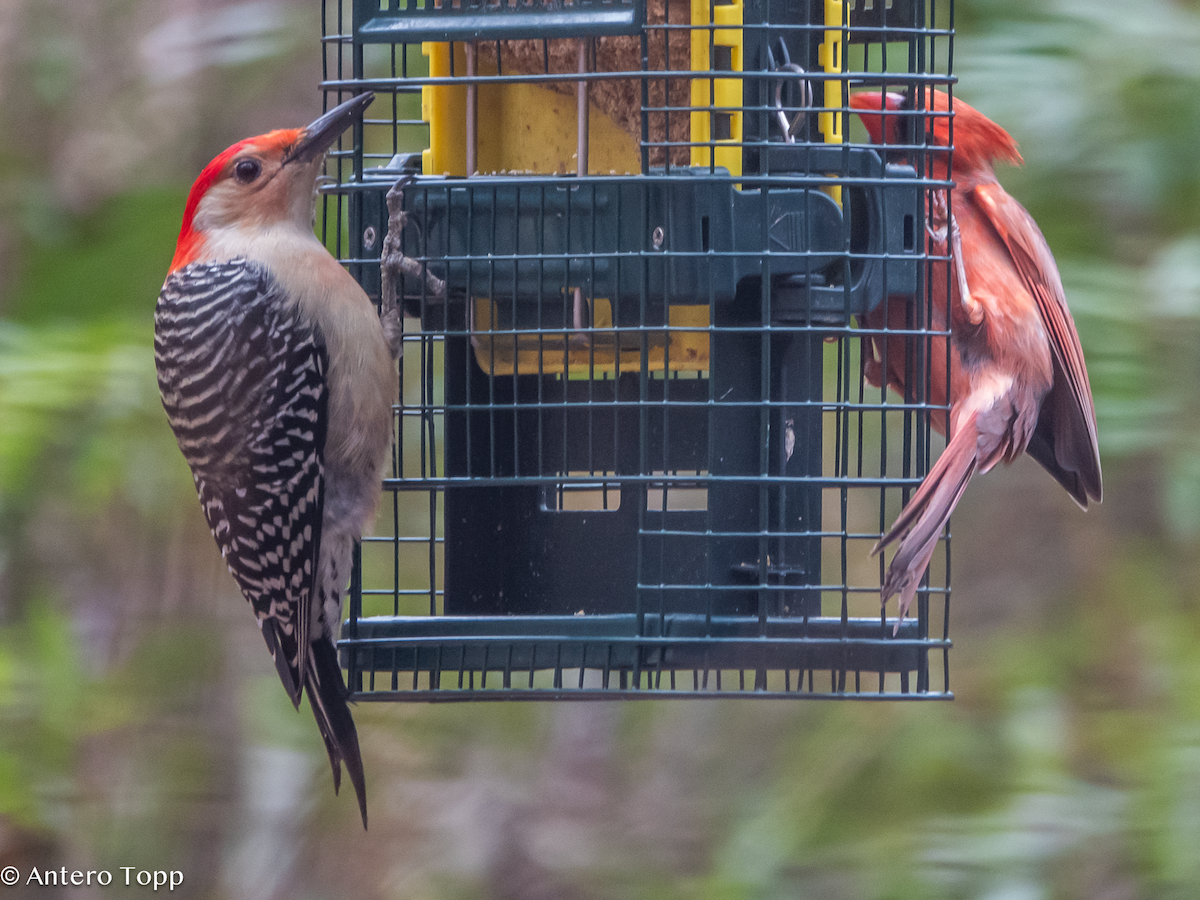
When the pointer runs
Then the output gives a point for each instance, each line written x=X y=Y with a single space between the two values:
x=608 y=656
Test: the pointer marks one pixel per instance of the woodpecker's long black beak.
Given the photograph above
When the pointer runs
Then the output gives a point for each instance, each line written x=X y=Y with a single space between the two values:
x=320 y=135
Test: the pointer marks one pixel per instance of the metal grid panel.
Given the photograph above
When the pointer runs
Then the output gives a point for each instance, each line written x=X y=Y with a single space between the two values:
x=635 y=453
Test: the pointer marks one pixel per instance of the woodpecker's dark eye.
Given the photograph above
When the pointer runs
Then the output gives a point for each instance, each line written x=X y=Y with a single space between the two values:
x=246 y=170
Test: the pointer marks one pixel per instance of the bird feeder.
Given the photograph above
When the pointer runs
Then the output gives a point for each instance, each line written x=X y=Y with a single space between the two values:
x=635 y=455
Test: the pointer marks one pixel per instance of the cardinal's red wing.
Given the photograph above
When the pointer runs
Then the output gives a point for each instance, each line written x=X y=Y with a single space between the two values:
x=1065 y=438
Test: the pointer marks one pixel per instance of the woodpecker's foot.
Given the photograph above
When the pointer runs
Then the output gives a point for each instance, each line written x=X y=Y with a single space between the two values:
x=394 y=265
x=393 y=330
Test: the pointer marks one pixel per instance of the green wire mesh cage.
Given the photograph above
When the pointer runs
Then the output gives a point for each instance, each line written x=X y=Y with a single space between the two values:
x=635 y=454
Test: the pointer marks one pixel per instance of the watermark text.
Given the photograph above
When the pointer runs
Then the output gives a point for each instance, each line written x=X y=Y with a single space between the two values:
x=122 y=876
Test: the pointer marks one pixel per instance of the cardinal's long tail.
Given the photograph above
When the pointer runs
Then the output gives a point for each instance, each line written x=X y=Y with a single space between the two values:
x=327 y=693
x=921 y=522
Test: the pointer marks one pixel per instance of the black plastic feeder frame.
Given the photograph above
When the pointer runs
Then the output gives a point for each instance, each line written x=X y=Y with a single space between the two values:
x=635 y=455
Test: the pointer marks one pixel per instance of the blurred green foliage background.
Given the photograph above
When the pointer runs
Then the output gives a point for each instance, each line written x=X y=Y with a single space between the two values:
x=141 y=724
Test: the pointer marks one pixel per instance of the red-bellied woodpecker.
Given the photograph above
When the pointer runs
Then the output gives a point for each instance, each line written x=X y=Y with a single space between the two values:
x=278 y=381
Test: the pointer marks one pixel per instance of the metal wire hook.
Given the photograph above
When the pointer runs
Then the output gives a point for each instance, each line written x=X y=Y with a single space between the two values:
x=789 y=128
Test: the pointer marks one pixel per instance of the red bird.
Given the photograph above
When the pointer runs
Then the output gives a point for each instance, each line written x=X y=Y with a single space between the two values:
x=1017 y=379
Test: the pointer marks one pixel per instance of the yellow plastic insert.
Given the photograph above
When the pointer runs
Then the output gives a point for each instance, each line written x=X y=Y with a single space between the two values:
x=594 y=350
x=829 y=55
x=708 y=93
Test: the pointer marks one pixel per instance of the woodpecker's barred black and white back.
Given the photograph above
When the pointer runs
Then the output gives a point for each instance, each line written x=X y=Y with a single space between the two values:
x=243 y=381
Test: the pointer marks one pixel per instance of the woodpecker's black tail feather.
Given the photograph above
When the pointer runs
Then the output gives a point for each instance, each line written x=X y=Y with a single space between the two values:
x=327 y=693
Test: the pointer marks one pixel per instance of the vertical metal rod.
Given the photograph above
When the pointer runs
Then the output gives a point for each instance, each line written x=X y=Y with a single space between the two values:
x=581 y=150
x=472 y=96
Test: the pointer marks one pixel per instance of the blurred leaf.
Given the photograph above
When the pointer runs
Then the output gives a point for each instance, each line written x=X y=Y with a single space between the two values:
x=82 y=398
x=103 y=266
x=46 y=708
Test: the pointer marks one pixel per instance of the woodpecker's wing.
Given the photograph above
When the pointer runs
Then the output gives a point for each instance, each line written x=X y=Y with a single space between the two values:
x=1064 y=440
x=243 y=383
